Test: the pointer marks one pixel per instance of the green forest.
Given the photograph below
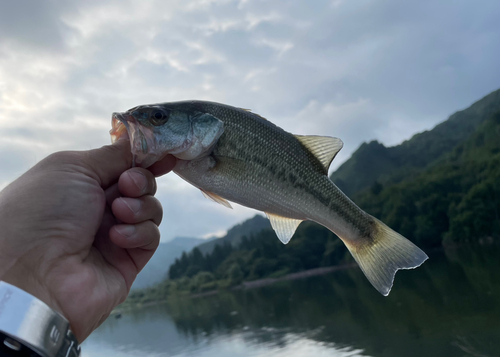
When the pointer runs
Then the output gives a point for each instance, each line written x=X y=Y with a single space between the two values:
x=440 y=188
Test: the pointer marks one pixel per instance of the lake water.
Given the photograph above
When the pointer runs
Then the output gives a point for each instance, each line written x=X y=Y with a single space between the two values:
x=450 y=306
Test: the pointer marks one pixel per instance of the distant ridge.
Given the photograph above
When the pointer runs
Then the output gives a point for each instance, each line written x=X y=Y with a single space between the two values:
x=234 y=234
x=373 y=162
x=166 y=253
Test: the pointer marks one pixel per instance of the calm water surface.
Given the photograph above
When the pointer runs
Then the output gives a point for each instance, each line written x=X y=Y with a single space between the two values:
x=448 y=307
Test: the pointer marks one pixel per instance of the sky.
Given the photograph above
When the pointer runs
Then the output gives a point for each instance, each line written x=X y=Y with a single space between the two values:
x=359 y=70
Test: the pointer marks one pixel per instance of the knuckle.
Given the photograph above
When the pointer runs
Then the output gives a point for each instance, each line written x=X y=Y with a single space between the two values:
x=158 y=211
x=151 y=181
x=157 y=203
x=111 y=149
x=153 y=209
x=152 y=235
x=63 y=157
x=146 y=185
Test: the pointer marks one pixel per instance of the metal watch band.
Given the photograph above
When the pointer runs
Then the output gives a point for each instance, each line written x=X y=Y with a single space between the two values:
x=28 y=327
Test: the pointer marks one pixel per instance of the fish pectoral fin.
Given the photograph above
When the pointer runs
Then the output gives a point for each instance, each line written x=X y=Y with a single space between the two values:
x=283 y=226
x=325 y=148
x=216 y=198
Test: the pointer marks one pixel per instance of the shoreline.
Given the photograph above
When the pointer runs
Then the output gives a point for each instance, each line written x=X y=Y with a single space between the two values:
x=247 y=285
x=269 y=281
x=489 y=241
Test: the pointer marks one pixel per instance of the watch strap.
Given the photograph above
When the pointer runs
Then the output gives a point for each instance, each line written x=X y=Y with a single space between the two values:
x=28 y=323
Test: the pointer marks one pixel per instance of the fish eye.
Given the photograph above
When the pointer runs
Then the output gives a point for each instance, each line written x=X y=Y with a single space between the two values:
x=158 y=117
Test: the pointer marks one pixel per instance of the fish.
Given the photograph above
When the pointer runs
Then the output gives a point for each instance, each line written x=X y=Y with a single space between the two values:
x=233 y=154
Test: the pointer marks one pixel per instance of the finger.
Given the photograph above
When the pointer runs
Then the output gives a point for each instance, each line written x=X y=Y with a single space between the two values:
x=163 y=166
x=112 y=193
x=141 y=241
x=140 y=257
x=144 y=235
x=107 y=163
x=136 y=210
x=137 y=182
x=113 y=254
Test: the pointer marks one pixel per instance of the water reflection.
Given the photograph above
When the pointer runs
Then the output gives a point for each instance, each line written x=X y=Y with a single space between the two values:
x=156 y=335
x=448 y=307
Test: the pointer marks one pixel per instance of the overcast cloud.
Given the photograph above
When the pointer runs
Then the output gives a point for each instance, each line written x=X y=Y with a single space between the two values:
x=356 y=69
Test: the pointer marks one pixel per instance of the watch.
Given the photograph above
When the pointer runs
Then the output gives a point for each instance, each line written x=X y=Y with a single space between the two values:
x=30 y=328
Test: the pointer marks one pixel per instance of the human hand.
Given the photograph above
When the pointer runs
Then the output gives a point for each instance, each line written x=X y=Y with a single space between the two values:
x=78 y=227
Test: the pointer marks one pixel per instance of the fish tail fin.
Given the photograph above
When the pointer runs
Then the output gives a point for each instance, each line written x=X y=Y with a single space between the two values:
x=384 y=254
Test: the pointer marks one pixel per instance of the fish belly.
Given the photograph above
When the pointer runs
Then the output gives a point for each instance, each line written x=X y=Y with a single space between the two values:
x=250 y=186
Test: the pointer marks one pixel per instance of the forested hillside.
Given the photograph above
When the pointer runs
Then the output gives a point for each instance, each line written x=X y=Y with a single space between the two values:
x=374 y=162
x=456 y=199
x=234 y=234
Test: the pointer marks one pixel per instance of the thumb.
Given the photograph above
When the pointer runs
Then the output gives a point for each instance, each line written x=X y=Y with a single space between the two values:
x=109 y=162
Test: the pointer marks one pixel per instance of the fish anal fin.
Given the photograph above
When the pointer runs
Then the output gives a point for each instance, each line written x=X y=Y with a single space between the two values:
x=216 y=198
x=283 y=226
x=325 y=148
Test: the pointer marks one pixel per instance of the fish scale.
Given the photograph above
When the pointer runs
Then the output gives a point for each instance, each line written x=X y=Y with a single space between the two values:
x=297 y=159
x=234 y=155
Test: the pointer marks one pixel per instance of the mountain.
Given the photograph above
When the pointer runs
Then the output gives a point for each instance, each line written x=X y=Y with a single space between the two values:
x=166 y=253
x=234 y=235
x=374 y=163
x=187 y=243
x=455 y=199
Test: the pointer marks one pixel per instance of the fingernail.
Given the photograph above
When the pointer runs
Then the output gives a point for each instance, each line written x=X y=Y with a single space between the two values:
x=126 y=230
x=134 y=205
x=139 y=179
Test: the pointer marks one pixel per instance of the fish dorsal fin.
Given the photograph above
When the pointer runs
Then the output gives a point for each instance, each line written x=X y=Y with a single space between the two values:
x=325 y=148
x=216 y=198
x=284 y=227
x=250 y=111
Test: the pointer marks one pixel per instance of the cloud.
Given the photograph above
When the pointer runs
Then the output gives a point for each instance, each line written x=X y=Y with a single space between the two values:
x=358 y=70
x=33 y=24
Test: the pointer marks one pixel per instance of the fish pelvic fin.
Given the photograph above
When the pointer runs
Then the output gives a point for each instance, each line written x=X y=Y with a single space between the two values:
x=325 y=148
x=381 y=257
x=216 y=198
x=283 y=226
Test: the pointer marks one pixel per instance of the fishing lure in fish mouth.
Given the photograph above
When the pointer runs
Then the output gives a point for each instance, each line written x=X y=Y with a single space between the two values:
x=232 y=154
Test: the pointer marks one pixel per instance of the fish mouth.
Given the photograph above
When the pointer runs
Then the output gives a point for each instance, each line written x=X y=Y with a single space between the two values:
x=119 y=127
x=143 y=144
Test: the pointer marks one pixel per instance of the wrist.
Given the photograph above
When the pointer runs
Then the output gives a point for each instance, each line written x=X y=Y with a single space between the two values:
x=27 y=323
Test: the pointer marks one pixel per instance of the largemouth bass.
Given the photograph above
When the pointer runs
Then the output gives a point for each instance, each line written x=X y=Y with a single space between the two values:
x=232 y=154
